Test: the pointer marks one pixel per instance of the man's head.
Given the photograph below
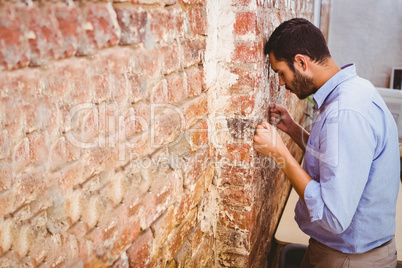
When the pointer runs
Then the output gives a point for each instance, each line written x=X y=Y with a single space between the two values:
x=295 y=50
x=297 y=36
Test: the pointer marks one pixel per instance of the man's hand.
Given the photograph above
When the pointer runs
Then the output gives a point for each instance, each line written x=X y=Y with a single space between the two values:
x=267 y=141
x=279 y=116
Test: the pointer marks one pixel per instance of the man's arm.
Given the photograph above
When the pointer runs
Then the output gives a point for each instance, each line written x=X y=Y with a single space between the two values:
x=268 y=142
x=280 y=117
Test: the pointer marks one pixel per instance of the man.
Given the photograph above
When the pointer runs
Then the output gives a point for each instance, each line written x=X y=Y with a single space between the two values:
x=349 y=182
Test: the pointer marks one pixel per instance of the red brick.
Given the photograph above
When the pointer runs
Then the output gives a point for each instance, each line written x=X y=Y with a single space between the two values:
x=13 y=45
x=250 y=52
x=183 y=255
x=159 y=93
x=39 y=148
x=6 y=235
x=163 y=227
x=236 y=196
x=148 y=62
x=246 y=22
x=193 y=51
x=203 y=257
x=239 y=176
x=157 y=201
x=58 y=154
x=167 y=125
x=77 y=86
x=241 y=105
x=247 y=81
x=177 y=87
x=166 y=23
x=178 y=238
x=139 y=254
x=237 y=218
x=170 y=58
x=6 y=178
x=183 y=208
x=238 y=152
x=197 y=19
x=100 y=79
x=45 y=45
x=68 y=18
x=21 y=156
x=195 y=81
x=195 y=110
x=4 y=144
x=194 y=167
x=132 y=21
x=90 y=127
x=209 y=175
x=197 y=136
x=99 y=30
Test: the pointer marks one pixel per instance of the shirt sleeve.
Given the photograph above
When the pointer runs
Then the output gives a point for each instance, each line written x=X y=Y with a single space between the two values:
x=346 y=151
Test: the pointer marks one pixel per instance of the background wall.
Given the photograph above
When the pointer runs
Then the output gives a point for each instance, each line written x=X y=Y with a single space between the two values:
x=371 y=37
x=126 y=132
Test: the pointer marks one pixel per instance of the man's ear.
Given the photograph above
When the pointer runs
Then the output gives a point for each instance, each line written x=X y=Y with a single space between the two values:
x=301 y=62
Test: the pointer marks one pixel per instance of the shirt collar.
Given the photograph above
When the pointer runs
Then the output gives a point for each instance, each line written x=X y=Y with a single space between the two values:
x=344 y=74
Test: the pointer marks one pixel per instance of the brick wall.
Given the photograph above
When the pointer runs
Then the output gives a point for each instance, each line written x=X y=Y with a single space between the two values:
x=126 y=132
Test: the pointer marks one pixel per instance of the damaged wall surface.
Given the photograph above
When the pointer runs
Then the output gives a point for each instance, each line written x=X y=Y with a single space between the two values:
x=126 y=132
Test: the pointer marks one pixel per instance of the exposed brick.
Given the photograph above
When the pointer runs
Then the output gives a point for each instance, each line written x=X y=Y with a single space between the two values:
x=193 y=51
x=4 y=144
x=100 y=29
x=21 y=156
x=148 y=62
x=139 y=253
x=163 y=227
x=177 y=87
x=198 y=23
x=159 y=92
x=178 y=238
x=238 y=197
x=6 y=235
x=195 y=81
x=247 y=52
x=183 y=255
x=241 y=105
x=239 y=176
x=6 y=177
x=203 y=256
x=167 y=126
x=166 y=23
x=13 y=46
x=198 y=135
x=195 y=110
x=69 y=21
x=195 y=166
x=237 y=218
x=39 y=148
x=246 y=22
x=170 y=57
x=132 y=21
x=58 y=154
x=247 y=80
x=45 y=44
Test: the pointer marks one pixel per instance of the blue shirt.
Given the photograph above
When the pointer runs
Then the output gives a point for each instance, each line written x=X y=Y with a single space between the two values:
x=352 y=156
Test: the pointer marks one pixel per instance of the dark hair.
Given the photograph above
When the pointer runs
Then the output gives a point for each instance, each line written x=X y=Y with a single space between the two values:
x=297 y=36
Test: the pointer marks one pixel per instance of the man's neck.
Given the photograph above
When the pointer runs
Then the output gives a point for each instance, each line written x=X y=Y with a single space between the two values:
x=323 y=72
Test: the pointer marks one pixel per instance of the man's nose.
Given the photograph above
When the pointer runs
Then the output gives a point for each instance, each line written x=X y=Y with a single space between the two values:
x=281 y=82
